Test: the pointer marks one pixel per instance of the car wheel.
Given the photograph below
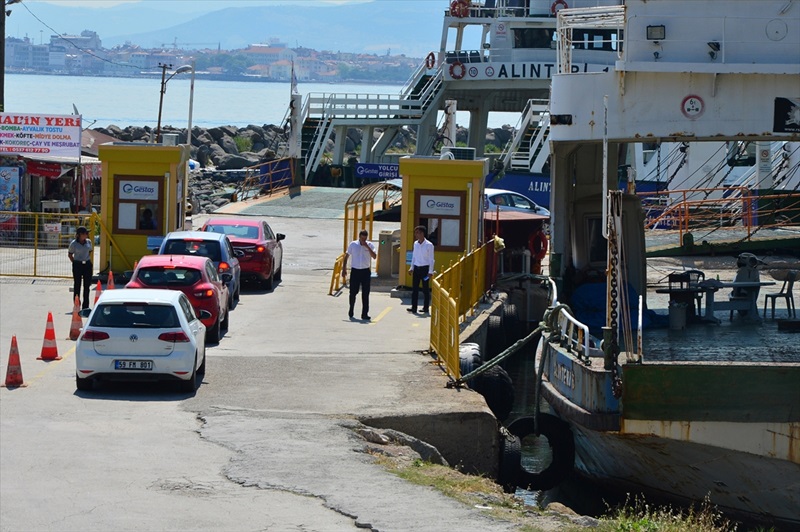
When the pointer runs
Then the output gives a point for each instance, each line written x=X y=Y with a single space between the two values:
x=269 y=282
x=226 y=321
x=279 y=272
x=84 y=385
x=202 y=369
x=212 y=334
x=191 y=384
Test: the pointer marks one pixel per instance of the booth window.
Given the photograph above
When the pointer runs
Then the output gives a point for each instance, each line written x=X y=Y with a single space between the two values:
x=138 y=207
x=443 y=213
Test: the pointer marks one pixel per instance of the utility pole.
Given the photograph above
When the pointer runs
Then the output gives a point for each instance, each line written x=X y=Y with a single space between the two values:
x=6 y=12
x=163 y=67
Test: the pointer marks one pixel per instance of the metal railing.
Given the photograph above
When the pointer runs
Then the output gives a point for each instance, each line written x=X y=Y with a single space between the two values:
x=34 y=244
x=454 y=295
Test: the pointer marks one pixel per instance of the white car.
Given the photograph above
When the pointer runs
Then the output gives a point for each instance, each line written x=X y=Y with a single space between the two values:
x=145 y=334
x=507 y=200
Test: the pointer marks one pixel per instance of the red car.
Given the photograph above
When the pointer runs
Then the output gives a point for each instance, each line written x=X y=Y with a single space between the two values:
x=262 y=252
x=196 y=277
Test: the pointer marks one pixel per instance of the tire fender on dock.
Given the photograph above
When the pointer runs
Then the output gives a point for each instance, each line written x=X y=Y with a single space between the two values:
x=562 y=444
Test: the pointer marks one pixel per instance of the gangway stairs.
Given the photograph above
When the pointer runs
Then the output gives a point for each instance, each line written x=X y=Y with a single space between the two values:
x=528 y=150
x=323 y=114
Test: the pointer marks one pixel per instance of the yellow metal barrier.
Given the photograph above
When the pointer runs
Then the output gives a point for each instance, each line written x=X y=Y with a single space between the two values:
x=336 y=276
x=454 y=294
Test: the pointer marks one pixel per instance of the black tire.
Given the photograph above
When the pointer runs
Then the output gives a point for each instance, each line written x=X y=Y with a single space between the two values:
x=84 y=385
x=213 y=333
x=511 y=322
x=496 y=340
x=279 y=272
x=226 y=322
x=202 y=369
x=561 y=442
x=191 y=385
x=510 y=462
x=469 y=360
x=268 y=283
x=497 y=390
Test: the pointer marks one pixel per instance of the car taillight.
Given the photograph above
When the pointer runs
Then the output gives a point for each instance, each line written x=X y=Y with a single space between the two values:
x=94 y=336
x=173 y=337
x=224 y=267
x=260 y=249
x=208 y=292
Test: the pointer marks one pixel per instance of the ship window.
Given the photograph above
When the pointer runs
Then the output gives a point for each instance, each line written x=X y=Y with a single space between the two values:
x=534 y=38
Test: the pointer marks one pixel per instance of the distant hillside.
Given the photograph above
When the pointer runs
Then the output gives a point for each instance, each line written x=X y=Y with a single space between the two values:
x=410 y=27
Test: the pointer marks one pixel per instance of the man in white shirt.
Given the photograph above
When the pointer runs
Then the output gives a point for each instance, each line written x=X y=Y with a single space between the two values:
x=421 y=269
x=361 y=252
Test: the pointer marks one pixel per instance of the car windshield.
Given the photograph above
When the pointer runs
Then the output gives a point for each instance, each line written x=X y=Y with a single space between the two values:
x=203 y=248
x=242 y=231
x=135 y=315
x=159 y=276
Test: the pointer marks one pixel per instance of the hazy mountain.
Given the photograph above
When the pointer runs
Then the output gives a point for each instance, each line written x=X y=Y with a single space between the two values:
x=412 y=27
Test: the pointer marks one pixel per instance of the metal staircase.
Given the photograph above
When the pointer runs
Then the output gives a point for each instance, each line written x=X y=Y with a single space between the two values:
x=528 y=150
x=322 y=114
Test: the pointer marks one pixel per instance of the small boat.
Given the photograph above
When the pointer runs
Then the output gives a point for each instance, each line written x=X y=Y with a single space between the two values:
x=711 y=410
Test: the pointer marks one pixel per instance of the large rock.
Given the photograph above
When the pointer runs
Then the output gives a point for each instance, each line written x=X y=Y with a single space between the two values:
x=231 y=161
x=227 y=143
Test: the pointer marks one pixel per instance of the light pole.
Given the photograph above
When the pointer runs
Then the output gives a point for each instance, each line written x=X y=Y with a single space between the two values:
x=6 y=12
x=164 y=80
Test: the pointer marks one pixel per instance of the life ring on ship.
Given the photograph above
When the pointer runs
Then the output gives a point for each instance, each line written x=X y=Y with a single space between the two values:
x=430 y=61
x=559 y=438
x=457 y=70
x=554 y=8
x=537 y=244
x=459 y=8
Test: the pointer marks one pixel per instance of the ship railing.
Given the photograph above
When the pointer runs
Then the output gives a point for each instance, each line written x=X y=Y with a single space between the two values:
x=516 y=154
x=606 y=18
x=317 y=144
x=575 y=337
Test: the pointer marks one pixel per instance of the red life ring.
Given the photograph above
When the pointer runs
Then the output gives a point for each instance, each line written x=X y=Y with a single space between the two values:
x=537 y=244
x=430 y=61
x=457 y=70
x=459 y=8
x=553 y=8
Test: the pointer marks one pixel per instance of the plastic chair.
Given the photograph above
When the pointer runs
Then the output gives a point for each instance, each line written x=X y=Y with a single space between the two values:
x=785 y=293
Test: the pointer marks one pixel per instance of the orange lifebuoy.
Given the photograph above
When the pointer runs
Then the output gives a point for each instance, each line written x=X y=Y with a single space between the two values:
x=430 y=61
x=457 y=70
x=554 y=8
x=459 y=8
x=537 y=244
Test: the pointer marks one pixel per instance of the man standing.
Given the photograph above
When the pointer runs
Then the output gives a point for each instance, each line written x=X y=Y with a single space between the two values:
x=421 y=269
x=80 y=255
x=361 y=252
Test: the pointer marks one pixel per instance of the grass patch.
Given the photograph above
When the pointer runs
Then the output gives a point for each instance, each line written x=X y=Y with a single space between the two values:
x=638 y=516
x=243 y=143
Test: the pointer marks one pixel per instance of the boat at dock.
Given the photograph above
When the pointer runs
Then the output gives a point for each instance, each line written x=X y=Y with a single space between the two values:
x=711 y=410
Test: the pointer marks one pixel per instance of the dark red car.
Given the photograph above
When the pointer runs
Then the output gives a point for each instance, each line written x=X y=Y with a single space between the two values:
x=261 y=257
x=196 y=277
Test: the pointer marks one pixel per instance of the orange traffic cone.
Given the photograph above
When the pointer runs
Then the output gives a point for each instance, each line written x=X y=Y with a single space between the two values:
x=77 y=322
x=49 y=347
x=14 y=372
x=98 y=291
x=110 y=282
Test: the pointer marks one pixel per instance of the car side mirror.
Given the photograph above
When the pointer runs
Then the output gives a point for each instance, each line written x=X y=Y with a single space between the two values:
x=84 y=312
x=226 y=277
x=279 y=236
x=204 y=315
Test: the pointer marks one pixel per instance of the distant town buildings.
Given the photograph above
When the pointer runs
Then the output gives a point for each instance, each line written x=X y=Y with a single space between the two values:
x=273 y=61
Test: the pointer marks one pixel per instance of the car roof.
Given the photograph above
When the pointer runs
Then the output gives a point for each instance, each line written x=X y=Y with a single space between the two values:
x=495 y=191
x=253 y=222
x=193 y=261
x=140 y=295
x=194 y=235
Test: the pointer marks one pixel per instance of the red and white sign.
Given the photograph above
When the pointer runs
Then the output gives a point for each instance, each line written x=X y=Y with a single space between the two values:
x=51 y=135
x=692 y=106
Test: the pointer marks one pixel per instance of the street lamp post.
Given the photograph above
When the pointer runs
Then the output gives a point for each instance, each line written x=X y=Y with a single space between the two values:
x=164 y=80
x=6 y=12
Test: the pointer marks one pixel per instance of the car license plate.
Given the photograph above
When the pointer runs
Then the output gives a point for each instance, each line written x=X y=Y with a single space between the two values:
x=133 y=364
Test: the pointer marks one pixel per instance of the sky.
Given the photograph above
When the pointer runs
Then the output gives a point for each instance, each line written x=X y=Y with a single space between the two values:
x=193 y=5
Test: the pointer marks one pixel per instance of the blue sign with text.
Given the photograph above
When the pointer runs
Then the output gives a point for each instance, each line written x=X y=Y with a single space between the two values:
x=377 y=171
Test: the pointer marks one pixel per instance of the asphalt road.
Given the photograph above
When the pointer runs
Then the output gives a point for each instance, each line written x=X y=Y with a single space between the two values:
x=265 y=444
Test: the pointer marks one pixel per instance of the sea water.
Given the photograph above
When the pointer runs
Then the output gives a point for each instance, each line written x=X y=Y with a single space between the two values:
x=103 y=101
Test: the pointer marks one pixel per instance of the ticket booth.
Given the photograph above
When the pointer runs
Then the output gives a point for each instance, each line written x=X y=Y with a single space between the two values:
x=143 y=191
x=446 y=196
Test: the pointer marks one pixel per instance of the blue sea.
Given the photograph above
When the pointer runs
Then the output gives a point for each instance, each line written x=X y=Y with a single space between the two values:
x=103 y=101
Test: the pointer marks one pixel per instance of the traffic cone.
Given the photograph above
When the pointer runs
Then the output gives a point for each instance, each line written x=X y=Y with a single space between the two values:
x=98 y=291
x=77 y=322
x=49 y=347
x=110 y=282
x=14 y=372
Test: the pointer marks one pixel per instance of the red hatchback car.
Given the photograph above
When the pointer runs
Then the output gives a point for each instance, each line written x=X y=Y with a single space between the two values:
x=262 y=258
x=196 y=277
